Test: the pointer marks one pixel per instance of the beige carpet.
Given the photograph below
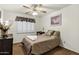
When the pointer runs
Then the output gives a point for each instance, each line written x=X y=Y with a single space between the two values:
x=19 y=50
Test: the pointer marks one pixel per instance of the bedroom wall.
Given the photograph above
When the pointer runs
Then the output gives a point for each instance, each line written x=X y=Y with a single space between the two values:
x=69 y=29
x=38 y=24
x=1 y=17
x=9 y=15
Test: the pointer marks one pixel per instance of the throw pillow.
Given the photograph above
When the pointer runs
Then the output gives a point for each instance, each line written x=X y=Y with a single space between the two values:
x=50 y=32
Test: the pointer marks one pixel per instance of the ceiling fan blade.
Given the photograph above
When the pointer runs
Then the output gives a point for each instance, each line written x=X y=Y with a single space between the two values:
x=35 y=8
x=27 y=12
x=26 y=7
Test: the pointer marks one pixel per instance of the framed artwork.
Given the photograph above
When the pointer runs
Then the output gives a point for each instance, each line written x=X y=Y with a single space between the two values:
x=56 y=20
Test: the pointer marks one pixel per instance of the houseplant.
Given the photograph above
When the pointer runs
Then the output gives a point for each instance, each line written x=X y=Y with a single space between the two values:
x=4 y=28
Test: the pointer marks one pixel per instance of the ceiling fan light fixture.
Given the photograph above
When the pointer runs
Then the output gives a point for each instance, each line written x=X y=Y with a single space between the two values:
x=34 y=13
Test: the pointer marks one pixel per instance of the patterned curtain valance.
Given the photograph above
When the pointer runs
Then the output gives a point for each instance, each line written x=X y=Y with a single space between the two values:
x=24 y=19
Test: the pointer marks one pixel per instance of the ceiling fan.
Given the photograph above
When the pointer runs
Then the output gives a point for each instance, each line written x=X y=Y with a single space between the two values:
x=35 y=9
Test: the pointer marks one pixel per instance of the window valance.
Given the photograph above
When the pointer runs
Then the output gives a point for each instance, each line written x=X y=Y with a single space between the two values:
x=25 y=19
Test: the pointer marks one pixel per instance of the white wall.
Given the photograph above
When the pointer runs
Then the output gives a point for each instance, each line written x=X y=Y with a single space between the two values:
x=8 y=15
x=1 y=15
x=38 y=24
x=70 y=26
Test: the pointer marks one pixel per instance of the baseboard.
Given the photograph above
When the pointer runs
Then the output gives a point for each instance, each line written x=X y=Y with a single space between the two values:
x=70 y=50
x=17 y=43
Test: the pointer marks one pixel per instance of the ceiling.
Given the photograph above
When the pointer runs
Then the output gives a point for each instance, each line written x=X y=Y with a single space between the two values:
x=20 y=9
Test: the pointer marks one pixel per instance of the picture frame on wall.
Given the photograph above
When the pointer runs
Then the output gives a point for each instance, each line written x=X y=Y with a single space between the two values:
x=56 y=20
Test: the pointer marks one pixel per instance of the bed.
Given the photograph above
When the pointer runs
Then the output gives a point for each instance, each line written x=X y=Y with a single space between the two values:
x=40 y=44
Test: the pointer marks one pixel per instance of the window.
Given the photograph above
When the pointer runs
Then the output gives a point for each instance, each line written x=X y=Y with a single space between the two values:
x=19 y=26
x=24 y=26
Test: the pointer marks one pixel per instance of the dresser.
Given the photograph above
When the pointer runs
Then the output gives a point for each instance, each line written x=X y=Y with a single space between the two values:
x=6 y=45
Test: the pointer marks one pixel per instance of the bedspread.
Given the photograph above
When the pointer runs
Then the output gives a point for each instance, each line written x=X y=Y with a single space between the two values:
x=41 y=45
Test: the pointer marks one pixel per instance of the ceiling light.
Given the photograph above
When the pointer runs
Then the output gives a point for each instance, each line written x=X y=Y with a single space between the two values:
x=34 y=13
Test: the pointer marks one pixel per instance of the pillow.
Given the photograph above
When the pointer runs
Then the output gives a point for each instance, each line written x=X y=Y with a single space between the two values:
x=50 y=32
x=57 y=33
